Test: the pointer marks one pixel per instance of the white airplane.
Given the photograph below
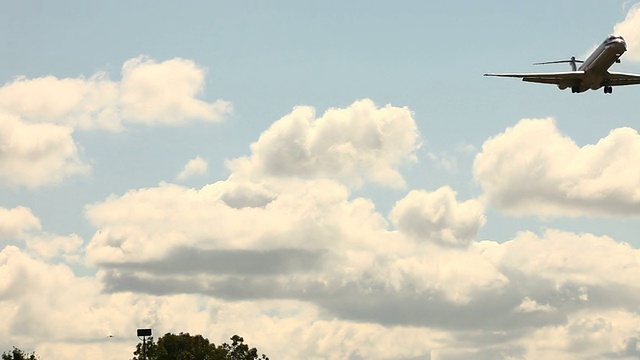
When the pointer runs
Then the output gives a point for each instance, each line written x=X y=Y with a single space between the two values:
x=592 y=74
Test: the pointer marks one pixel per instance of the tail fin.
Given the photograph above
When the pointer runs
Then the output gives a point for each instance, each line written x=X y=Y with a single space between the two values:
x=571 y=61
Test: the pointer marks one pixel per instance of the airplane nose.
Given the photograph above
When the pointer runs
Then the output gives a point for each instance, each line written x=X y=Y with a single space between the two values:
x=619 y=44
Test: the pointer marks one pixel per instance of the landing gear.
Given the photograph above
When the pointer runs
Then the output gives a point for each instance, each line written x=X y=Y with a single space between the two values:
x=575 y=89
x=608 y=90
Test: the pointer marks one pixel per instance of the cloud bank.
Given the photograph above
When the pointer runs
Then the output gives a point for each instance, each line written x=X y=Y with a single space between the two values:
x=522 y=175
x=281 y=251
x=148 y=93
x=39 y=116
x=312 y=244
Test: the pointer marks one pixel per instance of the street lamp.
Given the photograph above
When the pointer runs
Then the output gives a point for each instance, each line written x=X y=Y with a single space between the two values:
x=144 y=333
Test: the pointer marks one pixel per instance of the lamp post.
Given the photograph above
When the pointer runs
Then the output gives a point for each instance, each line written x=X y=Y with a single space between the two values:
x=144 y=333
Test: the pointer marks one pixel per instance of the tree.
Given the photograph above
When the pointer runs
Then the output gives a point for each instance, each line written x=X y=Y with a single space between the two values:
x=178 y=347
x=238 y=350
x=17 y=354
x=194 y=347
x=144 y=350
x=186 y=347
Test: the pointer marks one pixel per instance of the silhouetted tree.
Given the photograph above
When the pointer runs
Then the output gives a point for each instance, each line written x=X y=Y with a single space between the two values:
x=17 y=354
x=190 y=347
x=145 y=351
x=187 y=347
x=238 y=350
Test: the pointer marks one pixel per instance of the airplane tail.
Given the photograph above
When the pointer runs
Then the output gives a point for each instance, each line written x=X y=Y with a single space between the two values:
x=571 y=61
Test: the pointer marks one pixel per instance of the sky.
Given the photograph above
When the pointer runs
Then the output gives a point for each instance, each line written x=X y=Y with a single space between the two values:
x=329 y=180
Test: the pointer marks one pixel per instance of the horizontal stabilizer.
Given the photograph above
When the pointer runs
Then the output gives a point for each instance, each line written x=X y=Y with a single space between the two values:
x=571 y=61
x=558 y=62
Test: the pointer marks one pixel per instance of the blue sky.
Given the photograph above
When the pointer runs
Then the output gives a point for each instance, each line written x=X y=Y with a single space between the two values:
x=268 y=63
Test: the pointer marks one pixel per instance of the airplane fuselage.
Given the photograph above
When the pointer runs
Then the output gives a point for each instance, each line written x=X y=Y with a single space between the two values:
x=597 y=64
x=591 y=75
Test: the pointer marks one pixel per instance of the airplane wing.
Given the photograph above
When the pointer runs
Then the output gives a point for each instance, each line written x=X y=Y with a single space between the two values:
x=558 y=78
x=619 y=79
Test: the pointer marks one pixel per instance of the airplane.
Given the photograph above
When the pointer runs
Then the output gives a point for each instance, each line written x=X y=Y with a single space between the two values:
x=591 y=75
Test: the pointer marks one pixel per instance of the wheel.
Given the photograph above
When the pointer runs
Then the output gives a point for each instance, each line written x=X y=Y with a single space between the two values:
x=575 y=89
x=608 y=90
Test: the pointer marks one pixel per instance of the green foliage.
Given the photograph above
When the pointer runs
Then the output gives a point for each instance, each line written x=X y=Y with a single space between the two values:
x=238 y=350
x=194 y=347
x=186 y=347
x=17 y=354
x=144 y=351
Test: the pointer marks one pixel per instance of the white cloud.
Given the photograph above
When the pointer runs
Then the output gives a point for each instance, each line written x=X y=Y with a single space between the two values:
x=522 y=175
x=583 y=261
x=605 y=334
x=149 y=93
x=529 y=305
x=165 y=93
x=15 y=222
x=354 y=144
x=42 y=322
x=307 y=225
x=559 y=323
x=438 y=217
x=273 y=256
x=35 y=155
x=38 y=115
x=196 y=166
x=342 y=260
x=49 y=246
x=322 y=266
x=48 y=309
x=279 y=216
x=37 y=300
x=628 y=29
x=21 y=224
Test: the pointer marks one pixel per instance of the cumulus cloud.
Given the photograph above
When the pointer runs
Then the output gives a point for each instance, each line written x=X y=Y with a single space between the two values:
x=63 y=296
x=522 y=175
x=313 y=222
x=47 y=308
x=35 y=155
x=542 y=301
x=628 y=29
x=530 y=305
x=15 y=222
x=275 y=253
x=340 y=257
x=149 y=92
x=166 y=92
x=56 y=287
x=22 y=225
x=196 y=166
x=438 y=217
x=49 y=246
x=306 y=240
x=39 y=115
x=359 y=142
x=256 y=216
